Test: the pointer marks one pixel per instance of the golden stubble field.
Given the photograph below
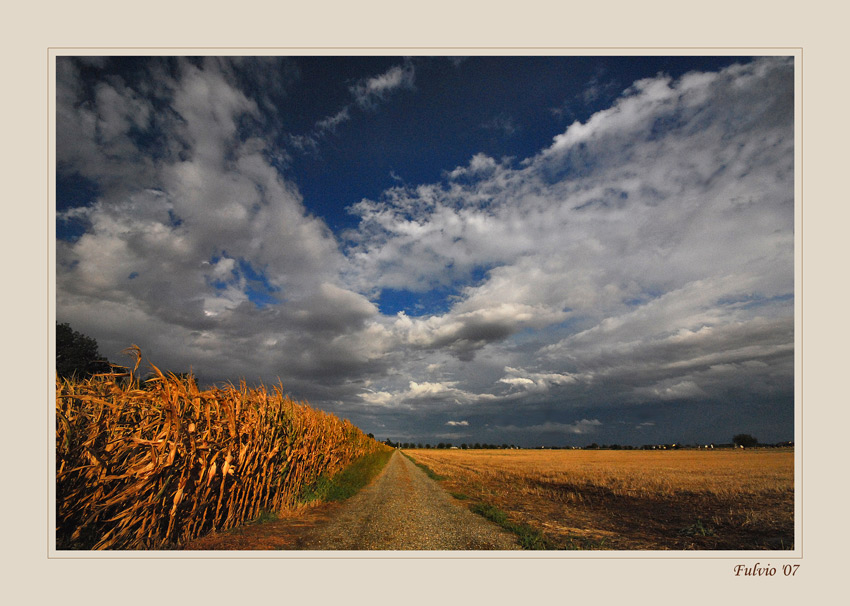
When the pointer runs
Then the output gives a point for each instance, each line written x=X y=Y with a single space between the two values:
x=632 y=499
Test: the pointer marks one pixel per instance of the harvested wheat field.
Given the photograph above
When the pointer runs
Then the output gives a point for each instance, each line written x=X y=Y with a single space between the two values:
x=631 y=500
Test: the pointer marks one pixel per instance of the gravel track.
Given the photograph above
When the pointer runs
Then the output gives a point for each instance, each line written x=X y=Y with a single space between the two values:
x=404 y=509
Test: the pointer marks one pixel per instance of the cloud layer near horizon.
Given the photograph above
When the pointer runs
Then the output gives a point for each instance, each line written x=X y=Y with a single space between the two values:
x=645 y=256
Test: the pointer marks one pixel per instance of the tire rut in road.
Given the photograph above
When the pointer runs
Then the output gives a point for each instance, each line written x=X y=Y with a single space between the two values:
x=403 y=509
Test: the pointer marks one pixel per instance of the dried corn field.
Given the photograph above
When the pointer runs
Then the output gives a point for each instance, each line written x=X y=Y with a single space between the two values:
x=154 y=464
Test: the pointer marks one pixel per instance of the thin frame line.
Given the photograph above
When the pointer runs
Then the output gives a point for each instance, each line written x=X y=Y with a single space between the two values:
x=798 y=523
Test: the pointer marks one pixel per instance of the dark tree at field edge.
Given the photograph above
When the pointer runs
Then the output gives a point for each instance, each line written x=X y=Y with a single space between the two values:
x=745 y=440
x=76 y=354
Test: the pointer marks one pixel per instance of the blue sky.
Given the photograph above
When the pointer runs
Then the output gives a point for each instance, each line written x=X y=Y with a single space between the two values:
x=531 y=250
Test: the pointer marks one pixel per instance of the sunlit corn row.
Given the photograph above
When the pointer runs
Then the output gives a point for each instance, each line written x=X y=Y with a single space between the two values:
x=153 y=464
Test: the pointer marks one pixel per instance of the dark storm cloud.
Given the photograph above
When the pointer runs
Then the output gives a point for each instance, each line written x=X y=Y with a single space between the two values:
x=644 y=257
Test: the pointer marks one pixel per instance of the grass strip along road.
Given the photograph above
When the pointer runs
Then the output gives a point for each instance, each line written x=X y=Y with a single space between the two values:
x=404 y=509
x=401 y=509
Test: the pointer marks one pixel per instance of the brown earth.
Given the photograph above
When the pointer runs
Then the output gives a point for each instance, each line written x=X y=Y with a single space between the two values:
x=402 y=509
x=666 y=508
x=631 y=500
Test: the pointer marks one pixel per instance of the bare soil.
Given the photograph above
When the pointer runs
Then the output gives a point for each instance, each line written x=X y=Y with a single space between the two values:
x=574 y=514
x=402 y=509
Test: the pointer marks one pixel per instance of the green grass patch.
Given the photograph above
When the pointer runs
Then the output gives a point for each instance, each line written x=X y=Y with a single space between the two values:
x=697 y=529
x=529 y=538
x=459 y=496
x=265 y=516
x=349 y=481
x=428 y=471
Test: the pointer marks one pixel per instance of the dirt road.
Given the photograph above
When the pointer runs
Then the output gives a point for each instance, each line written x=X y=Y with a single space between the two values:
x=404 y=509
